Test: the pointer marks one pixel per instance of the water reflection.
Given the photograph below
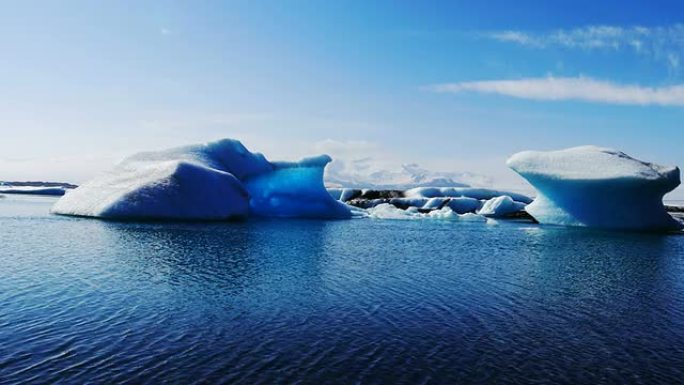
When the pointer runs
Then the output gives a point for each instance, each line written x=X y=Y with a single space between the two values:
x=219 y=260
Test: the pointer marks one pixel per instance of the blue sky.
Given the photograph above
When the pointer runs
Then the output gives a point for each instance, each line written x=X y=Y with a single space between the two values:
x=452 y=86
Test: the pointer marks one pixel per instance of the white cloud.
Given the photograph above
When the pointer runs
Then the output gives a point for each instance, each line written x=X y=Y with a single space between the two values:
x=573 y=88
x=515 y=37
x=664 y=43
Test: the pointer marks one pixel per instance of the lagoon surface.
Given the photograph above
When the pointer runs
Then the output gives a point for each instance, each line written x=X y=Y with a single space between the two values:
x=314 y=302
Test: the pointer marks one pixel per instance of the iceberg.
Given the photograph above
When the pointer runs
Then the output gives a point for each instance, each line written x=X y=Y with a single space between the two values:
x=31 y=190
x=214 y=181
x=597 y=187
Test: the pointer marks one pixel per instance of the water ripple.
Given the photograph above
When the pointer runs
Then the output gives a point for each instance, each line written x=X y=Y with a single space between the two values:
x=311 y=302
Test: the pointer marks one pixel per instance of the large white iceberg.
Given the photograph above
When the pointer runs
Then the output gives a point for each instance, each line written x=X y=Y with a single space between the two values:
x=214 y=181
x=597 y=187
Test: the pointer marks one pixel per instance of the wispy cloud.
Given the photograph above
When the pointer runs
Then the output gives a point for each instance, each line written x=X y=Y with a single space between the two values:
x=573 y=88
x=664 y=43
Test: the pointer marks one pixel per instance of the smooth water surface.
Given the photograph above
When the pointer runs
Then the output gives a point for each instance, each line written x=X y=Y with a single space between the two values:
x=315 y=302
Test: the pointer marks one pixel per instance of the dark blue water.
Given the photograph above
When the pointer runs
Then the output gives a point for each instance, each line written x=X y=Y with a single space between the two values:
x=315 y=302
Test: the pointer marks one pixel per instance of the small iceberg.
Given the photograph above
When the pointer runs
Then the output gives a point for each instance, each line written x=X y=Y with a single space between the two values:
x=597 y=187
x=34 y=190
x=214 y=181
x=501 y=206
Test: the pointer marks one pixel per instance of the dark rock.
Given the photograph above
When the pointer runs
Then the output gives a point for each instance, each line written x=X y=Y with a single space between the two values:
x=522 y=214
x=382 y=194
x=674 y=209
x=366 y=203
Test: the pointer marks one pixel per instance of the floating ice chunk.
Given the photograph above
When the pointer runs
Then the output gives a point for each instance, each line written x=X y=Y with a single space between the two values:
x=597 y=187
x=30 y=190
x=468 y=192
x=388 y=211
x=472 y=217
x=500 y=206
x=492 y=222
x=204 y=182
x=443 y=213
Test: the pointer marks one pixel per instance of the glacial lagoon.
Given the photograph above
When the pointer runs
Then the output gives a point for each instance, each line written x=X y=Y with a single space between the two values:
x=360 y=301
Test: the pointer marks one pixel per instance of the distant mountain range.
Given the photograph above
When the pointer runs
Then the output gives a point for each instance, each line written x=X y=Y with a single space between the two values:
x=357 y=174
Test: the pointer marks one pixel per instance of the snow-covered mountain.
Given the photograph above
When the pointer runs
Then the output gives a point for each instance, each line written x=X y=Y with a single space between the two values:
x=362 y=173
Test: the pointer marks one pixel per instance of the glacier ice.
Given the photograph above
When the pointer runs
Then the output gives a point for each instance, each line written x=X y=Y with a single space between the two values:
x=435 y=203
x=463 y=205
x=460 y=200
x=597 y=187
x=294 y=189
x=31 y=190
x=500 y=206
x=213 y=181
x=389 y=211
x=469 y=192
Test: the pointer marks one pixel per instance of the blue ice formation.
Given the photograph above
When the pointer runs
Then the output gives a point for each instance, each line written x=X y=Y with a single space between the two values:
x=214 y=181
x=597 y=187
x=294 y=189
